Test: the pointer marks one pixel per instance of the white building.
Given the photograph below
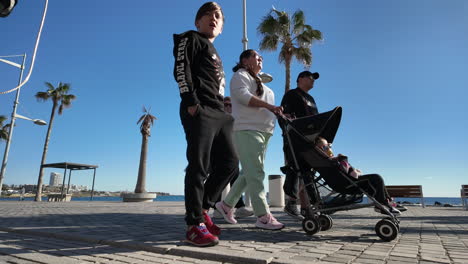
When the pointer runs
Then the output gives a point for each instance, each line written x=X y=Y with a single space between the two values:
x=55 y=179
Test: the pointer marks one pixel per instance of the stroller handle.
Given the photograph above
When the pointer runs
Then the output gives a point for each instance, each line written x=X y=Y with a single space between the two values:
x=283 y=117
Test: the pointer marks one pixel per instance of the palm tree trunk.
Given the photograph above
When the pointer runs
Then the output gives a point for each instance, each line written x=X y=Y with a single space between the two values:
x=141 y=182
x=287 y=63
x=44 y=155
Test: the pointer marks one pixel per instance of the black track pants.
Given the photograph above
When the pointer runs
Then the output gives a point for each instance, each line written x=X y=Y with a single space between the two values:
x=375 y=186
x=209 y=137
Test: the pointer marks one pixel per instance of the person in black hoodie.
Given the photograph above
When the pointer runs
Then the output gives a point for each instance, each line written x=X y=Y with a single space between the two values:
x=297 y=103
x=198 y=70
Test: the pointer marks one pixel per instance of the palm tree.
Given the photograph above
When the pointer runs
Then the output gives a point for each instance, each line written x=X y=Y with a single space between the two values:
x=296 y=37
x=61 y=100
x=146 y=121
x=3 y=128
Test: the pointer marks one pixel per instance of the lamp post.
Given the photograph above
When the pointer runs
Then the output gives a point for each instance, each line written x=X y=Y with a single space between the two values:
x=265 y=77
x=14 y=115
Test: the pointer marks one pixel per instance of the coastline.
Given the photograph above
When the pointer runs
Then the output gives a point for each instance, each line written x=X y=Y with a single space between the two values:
x=428 y=201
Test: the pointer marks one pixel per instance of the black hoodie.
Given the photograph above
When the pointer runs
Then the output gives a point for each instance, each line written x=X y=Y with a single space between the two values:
x=198 y=70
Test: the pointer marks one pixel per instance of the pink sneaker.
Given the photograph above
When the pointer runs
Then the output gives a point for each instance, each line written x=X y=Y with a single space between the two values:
x=269 y=222
x=227 y=212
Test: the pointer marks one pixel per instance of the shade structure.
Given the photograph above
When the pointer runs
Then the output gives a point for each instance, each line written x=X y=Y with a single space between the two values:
x=71 y=167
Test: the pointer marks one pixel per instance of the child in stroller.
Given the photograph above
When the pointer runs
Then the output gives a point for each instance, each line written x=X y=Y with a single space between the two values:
x=373 y=183
x=336 y=187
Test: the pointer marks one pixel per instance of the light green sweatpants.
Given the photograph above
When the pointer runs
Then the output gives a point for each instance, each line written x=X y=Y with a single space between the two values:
x=251 y=146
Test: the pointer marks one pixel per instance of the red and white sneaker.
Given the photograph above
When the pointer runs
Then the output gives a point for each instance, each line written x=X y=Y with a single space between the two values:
x=200 y=236
x=212 y=228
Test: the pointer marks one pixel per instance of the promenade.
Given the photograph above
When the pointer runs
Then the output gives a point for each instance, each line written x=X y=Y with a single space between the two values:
x=116 y=232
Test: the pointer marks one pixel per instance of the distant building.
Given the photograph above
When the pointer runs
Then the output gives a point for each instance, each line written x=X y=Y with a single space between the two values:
x=55 y=179
x=29 y=188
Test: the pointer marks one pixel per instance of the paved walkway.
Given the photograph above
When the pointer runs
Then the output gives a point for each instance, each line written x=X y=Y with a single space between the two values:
x=115 y=232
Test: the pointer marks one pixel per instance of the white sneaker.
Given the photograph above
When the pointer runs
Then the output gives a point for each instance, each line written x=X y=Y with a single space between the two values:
x=268 y=222
x=216 y=214
x=227 y=212
x=395 y=211
x=392 y=210
x=243 y=212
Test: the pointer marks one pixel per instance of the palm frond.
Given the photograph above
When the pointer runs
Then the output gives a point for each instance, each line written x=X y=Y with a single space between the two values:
x=298 y=22
x=293 y=35
x=284 y=20
x=317 y=34
x=58 y=95
x=2 y=119
x=146 y=120
x=60 y=109
x=268 y=25
x=49 y=86
x=303 y=55
x=42 y=96
x=269 y=43
x=63 y=88
x=3 y=134
x=67 y=99
x=141 y=118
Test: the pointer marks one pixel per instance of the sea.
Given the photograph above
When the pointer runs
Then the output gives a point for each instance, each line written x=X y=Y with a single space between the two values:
x=166 y=198
x=456 y=201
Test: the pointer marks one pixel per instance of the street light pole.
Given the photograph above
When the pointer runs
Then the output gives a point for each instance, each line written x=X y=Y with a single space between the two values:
x=265 y=77
x=14 y=115
x=12 y=126
x=245 y=40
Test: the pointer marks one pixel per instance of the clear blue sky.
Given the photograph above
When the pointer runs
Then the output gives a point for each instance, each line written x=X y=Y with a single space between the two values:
x=398 y=69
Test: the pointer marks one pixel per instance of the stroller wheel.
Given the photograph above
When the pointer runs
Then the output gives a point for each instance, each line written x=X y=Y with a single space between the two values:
x=386 y=230
x=311 y=225
x=326 y=222
x=396 y=223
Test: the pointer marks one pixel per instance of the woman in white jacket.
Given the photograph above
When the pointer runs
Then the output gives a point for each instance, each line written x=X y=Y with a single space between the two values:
x=254 y=112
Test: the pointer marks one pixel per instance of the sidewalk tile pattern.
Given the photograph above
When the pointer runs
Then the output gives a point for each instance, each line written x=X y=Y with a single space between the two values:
x=115 y=232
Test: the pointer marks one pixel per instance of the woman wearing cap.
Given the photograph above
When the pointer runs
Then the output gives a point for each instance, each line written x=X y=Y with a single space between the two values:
x=254 y=121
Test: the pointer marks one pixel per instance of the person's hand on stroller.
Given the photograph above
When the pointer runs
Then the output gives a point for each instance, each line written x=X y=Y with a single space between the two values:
x=277 y=110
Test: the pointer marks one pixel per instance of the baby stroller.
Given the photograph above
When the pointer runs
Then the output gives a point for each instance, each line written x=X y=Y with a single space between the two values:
x=328 y=187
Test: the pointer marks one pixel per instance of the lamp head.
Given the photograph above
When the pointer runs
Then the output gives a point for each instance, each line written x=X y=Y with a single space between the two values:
x=39 y=122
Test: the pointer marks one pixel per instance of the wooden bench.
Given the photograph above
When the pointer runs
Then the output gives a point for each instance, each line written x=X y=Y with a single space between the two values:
x=406 y=191
x=464 y=196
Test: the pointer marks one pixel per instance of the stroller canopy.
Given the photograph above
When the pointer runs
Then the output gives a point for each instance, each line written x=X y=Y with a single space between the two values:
x=325 y=125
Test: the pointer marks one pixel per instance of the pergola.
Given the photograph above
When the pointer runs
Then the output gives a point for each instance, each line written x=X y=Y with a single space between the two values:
x=72 y=166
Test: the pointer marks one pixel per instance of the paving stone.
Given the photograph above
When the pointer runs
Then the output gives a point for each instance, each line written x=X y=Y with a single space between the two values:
x=435 y=259
x=367 y=261
x=398 y=259
x=130 y=233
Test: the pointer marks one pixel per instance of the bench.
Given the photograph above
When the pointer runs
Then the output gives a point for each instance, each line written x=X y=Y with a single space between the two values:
x=464 y=196
x=58 y=197
x=406 y=191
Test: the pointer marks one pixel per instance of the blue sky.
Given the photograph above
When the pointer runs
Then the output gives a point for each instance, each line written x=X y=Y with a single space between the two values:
x=398 y=69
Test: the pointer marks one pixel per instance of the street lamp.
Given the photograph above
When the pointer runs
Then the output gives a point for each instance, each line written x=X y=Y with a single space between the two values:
x=265 y=77
x=39 y=122
x=14 y=115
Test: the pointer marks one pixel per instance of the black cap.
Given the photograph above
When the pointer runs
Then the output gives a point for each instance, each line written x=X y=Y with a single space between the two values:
x=303 y=74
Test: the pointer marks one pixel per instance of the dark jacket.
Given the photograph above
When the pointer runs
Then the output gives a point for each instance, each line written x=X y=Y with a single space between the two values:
x=198 y=70
x=298 y=103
